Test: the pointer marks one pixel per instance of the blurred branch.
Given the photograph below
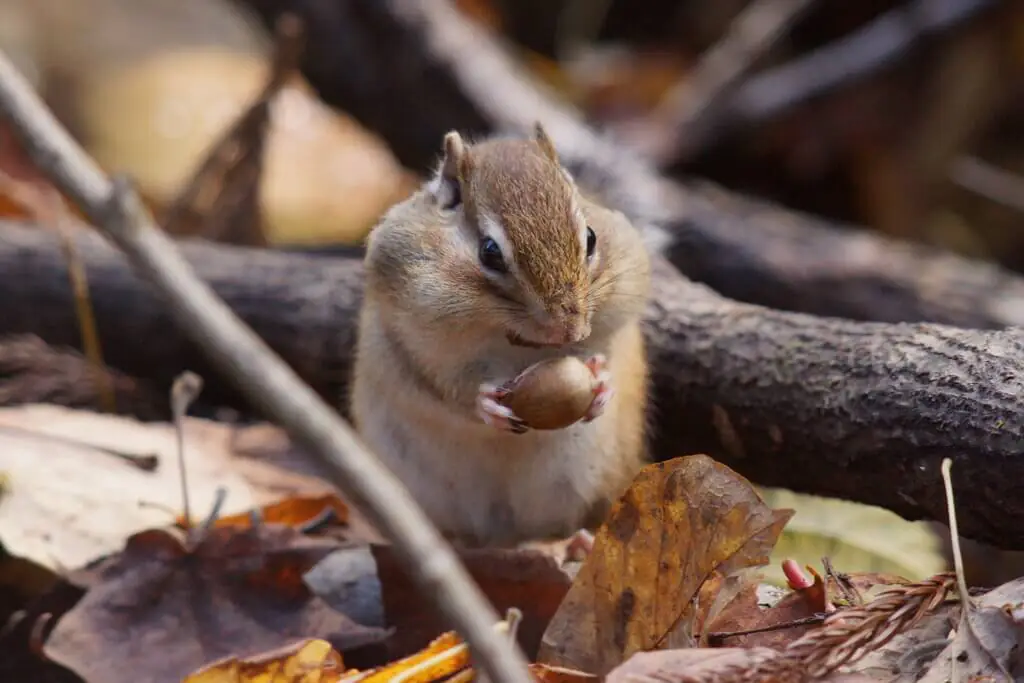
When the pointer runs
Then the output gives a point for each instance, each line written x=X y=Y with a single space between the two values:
x=688 y=112
x=874 y=47
x=985 y=180
x=263 y=377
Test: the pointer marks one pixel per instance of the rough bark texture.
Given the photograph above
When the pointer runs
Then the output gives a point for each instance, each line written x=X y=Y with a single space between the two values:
x=379 y=60
x=857 y=410
x=299 y=303
x=32 y=371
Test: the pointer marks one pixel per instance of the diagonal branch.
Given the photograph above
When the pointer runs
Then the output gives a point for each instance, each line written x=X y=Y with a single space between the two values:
x=688 y=113
x=864 y=52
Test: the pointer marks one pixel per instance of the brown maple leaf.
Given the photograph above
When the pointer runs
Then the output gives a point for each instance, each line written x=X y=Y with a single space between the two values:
x=680 y=523
x=161 y=611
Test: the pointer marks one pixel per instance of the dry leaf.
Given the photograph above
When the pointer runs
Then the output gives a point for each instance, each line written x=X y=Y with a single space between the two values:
x=986 y=648
x=694 y=662
x=744 y=614
x=443 y=657
x=700 y=664
x=718 y=594
x=295 y=512
x=19 y=661
x=530 y=580
x=679 y=522
x=85 y=501
x=557 y=674
x=308 y=661
x=905 y=658
x=240 y=591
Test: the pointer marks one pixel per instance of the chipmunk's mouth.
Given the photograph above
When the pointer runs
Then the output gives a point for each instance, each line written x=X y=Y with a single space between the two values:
x=515 y=340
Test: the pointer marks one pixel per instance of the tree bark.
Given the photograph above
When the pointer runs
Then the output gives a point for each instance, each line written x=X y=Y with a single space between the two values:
x=301 y=304
x=379 y=60
x=864 y=411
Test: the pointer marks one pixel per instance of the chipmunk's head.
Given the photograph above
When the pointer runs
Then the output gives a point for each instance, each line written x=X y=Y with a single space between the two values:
x=524 y=241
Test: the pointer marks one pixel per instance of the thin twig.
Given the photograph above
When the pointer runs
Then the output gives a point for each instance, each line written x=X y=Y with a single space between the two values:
x=197 y=535
x=47 y=208
x=262 y=377
x=687 y=113
x=185 y=389
x=716 y=637
x=850 y=594
x=91 y=347
x=967 y=604
x=954 y=533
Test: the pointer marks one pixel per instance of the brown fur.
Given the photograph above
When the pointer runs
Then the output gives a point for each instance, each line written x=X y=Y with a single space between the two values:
x=523 y=186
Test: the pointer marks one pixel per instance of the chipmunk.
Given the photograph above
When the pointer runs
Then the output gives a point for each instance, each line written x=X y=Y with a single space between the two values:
x=497 y=262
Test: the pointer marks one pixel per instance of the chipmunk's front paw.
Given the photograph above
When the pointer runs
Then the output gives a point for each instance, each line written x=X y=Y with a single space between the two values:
x=580 y=545
x=603 y=390
x=493 y=413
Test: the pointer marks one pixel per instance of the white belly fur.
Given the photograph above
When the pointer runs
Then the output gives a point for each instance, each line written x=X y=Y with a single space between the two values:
x=478 y=483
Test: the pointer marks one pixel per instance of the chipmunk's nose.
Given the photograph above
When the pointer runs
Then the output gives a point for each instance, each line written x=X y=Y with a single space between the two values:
x=566 y=325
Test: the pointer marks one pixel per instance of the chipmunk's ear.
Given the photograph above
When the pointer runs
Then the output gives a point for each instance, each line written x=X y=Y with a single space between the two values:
x=447 y=187
x=540 y=136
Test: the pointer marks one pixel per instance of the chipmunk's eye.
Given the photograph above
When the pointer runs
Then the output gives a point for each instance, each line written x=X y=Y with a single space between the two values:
x=591 y=242
x=490 y=256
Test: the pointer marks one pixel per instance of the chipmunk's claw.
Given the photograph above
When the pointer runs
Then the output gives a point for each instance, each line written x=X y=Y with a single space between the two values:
x=579 y=546
x=493 y=413
x=603 y=390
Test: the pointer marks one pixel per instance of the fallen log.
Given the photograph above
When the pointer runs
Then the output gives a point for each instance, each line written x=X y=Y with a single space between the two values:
x=863 y=411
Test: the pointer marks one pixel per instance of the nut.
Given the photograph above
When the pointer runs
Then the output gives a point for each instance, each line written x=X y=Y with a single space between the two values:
x=551 y=394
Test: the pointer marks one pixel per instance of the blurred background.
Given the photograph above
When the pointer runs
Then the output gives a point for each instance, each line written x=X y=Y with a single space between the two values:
x=901 y=116
x=897 y=116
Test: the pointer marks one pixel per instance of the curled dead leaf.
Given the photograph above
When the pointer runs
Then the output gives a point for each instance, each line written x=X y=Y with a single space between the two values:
x=679 y=522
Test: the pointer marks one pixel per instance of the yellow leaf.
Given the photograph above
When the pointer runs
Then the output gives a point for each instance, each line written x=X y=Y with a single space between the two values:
x=309 y=661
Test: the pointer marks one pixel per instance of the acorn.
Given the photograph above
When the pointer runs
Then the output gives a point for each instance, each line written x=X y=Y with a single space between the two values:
x=551 y=394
